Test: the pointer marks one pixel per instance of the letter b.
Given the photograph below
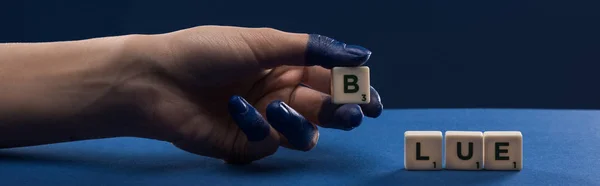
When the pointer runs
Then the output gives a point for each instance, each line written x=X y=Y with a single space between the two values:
x=351 y=84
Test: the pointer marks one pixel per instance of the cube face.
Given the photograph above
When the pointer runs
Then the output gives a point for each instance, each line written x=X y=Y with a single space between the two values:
x=464 y=150
x=350 y=85
x=423 y=150
x=503 y=150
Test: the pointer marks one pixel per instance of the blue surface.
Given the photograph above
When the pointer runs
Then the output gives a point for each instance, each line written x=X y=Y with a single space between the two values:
x=560 y=148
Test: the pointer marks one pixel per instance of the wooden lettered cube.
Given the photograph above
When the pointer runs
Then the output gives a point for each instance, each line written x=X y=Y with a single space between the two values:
x=350 y=85
x=423 y=150
x=503 y=150
x=464 y=150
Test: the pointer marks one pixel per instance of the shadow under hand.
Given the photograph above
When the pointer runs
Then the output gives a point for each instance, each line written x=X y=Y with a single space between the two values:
x=107 y=162
x=443 y=177
x=334 y=161
x=262 y=167
x=321 y=161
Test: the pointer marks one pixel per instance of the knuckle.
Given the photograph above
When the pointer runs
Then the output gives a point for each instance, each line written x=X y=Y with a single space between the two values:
x=268 y=30
x=245 y=152
x=237 y=157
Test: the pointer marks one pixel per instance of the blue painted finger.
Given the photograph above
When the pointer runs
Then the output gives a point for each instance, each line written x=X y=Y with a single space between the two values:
x=248 y=119
x=328 y=53
x=299 y=132
x=344 y=117
x=374 y=108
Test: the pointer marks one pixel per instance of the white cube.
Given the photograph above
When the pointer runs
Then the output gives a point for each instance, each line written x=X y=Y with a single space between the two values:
x=503 y=150
x=350 y=85
x=464 y=150
x=423 y=150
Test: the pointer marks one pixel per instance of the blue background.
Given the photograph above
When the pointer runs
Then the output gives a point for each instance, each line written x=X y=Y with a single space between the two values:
x=426 y=53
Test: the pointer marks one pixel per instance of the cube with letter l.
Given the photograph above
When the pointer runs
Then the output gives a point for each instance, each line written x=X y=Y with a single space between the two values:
x=423 y=150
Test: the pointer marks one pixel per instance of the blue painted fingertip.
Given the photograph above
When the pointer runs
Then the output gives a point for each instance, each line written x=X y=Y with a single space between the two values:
x=329 y=53
x=248 y=119
x=374 y=108
x=237 y=105
x=348 y=116
x=361 y=53
x=298 y=131
x=344 y=117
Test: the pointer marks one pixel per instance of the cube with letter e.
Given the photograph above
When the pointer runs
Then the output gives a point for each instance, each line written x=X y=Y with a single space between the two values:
x=503 y=150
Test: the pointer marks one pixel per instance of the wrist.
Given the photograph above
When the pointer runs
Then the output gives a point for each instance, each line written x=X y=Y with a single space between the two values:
x=119 y=102
x=65 y=91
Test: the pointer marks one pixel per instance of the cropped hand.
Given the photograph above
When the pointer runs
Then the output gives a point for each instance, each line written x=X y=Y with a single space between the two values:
x=231 y=93
x=239 y=93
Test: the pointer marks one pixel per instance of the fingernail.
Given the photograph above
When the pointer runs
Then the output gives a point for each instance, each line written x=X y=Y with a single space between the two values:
x=284 y=106
x=248 y=119
x=238 y=105
x=329 y=53
x=361 y=53
x=276 y=113
x=298 y=130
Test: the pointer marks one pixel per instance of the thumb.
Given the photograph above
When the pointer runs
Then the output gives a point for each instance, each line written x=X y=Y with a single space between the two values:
x=275 y=48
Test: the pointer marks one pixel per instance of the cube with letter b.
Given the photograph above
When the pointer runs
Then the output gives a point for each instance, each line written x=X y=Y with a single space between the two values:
x=350 y=85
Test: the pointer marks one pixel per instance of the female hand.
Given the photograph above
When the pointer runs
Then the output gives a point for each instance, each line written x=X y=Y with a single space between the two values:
x=232 y=93
x=239 y=93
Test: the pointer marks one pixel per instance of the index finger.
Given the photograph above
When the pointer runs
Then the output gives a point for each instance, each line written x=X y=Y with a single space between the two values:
x=273 y=48
x=328 y=53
